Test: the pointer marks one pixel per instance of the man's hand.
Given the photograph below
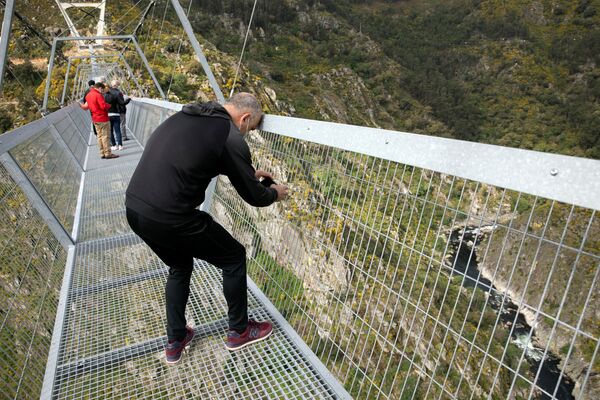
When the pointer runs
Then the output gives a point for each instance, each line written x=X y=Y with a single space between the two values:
x=262 y=174
x=282 y=191
x=84 y=106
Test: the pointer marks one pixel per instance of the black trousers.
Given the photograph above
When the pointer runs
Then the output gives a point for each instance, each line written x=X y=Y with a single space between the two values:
x=177 y=245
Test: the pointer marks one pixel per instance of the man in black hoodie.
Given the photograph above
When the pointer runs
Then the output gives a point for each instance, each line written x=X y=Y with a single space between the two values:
x=181 y=157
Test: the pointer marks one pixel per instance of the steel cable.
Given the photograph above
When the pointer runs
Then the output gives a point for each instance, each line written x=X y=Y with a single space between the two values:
x=243 y=48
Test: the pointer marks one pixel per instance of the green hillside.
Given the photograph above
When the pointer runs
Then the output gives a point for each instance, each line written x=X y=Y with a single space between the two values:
x=516 y=73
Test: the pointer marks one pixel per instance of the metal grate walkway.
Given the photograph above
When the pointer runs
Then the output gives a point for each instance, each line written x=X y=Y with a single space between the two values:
x=112 y=344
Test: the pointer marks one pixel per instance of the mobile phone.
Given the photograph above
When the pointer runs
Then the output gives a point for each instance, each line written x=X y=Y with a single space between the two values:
x=267 y=182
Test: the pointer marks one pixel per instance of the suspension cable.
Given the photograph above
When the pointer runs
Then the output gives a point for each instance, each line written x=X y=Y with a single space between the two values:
x=143 y=14
x=17 y=41
x=161 y=29
x=243 y=48
x=9 y=69
x=149 y=28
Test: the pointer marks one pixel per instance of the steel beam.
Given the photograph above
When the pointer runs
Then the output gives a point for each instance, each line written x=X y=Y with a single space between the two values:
x=62 y=99
x=5 y=38
x=70 y=24
x=198 y=50
x=64 y=92
x=59 y=326
x=120 y=282
x=110 y=358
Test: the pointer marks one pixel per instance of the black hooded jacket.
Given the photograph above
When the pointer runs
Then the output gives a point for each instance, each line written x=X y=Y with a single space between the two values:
x=117 y=102
x=181 y=157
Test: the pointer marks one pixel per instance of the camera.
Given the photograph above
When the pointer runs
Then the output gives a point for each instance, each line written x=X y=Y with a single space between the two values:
x=267 y=182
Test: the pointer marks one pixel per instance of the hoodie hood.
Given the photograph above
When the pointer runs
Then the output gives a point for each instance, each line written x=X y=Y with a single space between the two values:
x=210 y=109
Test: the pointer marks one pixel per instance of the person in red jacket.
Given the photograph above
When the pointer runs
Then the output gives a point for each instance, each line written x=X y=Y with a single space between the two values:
x=94 y=101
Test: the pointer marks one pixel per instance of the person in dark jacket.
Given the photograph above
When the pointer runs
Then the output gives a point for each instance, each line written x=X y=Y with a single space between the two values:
x=181 y=157
x=124 y=117
x=117 y=104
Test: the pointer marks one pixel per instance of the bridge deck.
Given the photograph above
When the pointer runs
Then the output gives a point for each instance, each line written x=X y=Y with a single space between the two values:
x=113 y=345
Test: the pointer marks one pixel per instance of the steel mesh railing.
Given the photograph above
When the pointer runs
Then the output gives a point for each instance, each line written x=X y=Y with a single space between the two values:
x=406 y=281
x=32 y=263
x=410 y=283
x=147 y=116
x=413 y=283
x=40 y=171
x=53 y=159
x=112 y=343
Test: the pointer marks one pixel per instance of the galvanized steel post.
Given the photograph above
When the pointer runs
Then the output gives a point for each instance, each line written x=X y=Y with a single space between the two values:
x=49 y=75
x=64 y=92
x=6 y=25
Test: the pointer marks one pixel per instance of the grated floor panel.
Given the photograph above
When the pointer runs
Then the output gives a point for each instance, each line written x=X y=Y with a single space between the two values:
x=113 y=339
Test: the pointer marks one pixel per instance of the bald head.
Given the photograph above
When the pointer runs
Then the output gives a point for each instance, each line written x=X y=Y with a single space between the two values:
x=245 y=111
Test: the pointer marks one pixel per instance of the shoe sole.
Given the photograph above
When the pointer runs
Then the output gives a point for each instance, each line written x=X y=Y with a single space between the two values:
x=248 y=343
x=187 y=346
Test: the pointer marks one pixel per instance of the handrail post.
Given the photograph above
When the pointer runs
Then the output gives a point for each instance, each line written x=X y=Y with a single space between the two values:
x=6 y=26
x=76 y=80
x=64 y=92
x=49 y=75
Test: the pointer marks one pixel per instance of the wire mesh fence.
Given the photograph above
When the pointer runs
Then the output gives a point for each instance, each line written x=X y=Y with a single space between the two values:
x=112 y=345
x=405 y=282
x=410 y=283
x=145 y=118
x=32 y=263
x=53 y=161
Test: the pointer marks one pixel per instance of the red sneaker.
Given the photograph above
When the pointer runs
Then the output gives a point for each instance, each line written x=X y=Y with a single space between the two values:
x=174 y=349
x=255 y=332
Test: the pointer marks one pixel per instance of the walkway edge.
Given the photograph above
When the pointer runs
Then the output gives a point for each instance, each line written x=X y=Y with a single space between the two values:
x=51 y=365
x=320 y=369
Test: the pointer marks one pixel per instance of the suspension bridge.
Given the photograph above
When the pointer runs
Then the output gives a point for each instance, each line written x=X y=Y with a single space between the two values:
x=402 y=266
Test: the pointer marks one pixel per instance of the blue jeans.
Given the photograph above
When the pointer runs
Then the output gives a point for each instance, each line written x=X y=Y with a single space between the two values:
x=115 y=130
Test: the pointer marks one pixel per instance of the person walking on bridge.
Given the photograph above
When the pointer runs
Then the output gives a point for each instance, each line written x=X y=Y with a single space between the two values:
x=94 y=101
x=181 y=157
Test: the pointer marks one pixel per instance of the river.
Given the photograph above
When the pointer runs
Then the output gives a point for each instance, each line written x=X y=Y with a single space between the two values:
x=509 y=315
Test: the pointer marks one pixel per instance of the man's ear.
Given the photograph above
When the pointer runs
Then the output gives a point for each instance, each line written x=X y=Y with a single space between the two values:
x=245 y=118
